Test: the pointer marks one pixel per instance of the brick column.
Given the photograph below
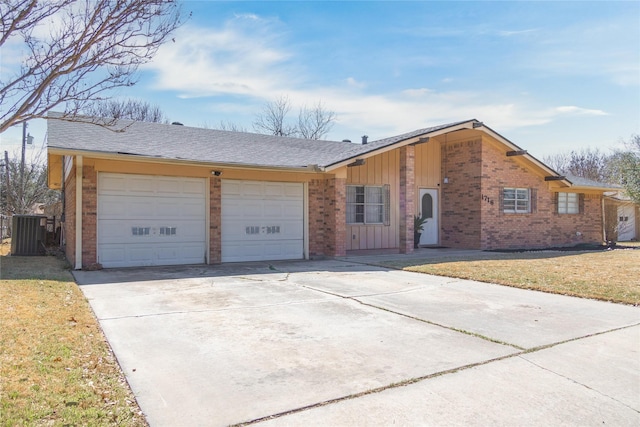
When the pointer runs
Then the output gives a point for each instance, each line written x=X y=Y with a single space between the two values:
x=215 y=220
x=337 y=216
x=327 y=217
x=70 y=217
x=89 y=217
x=407 y=198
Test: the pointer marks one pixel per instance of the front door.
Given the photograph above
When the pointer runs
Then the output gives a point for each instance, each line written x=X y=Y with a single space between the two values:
x=428 y=208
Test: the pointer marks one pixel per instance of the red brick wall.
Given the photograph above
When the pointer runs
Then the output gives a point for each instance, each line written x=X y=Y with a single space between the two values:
x=327 y=217
x=472 y=216
x=70 y=217
x=407 y=198
x=89 y=215
x=215 y=220
x=461 y=213
x=542 y=228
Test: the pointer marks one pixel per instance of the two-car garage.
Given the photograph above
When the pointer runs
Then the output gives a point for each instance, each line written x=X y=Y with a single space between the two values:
x=145 y=220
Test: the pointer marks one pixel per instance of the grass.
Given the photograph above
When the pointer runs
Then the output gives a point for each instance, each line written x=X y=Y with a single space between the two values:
x=612 y=275
x=56 y=367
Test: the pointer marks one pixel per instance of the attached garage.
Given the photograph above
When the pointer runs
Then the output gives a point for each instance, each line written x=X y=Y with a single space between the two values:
x=262 y=220
x=145 y=220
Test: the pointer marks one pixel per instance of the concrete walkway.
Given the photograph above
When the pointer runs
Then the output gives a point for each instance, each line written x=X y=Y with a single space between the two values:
x=341 y=343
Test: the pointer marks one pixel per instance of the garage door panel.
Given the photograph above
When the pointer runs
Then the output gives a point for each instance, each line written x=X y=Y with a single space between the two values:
x=147 y=220
x=262 y=220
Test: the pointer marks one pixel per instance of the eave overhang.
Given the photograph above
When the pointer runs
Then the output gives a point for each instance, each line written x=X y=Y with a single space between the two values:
x=56 y=154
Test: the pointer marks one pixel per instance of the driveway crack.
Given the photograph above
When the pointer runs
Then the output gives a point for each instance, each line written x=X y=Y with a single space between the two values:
x=576 y=382
x=474 y=334
x=398 y=384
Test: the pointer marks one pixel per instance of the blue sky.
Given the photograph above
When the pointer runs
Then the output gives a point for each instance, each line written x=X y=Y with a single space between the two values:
x=549 y=76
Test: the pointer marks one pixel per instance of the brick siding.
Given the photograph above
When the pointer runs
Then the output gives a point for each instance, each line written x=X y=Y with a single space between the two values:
x=472 y=216
x=327 y=217
x=461 y=212
x=215 y=220
x=89 y=215
x=407 y=198
x=69 y=225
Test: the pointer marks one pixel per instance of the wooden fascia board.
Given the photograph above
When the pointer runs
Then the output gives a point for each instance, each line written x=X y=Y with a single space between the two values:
x=145 y=159
x=399 y=144
x=54 y=171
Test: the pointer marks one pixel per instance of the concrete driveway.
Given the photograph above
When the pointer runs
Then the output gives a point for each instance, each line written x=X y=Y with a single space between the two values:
x=341 y=343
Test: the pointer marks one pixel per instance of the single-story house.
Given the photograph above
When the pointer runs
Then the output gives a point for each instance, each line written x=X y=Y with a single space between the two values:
x=160 y=194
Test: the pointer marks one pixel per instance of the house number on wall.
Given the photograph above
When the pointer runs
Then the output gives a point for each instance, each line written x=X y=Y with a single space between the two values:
x=487 y=199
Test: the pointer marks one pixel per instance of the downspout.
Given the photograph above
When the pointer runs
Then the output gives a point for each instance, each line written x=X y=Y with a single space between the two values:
x=78 y=263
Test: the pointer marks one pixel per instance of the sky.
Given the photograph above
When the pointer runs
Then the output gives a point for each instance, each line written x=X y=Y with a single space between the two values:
x=549 y=76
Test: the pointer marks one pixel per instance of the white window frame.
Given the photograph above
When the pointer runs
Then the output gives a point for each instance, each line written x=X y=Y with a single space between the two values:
x=568 y=203
x=373 y=212
x=521 y=205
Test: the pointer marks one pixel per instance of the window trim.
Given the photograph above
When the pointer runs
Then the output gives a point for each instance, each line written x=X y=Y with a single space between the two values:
x=385 y=206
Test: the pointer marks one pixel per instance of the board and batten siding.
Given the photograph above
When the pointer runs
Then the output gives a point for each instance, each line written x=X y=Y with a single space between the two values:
x=378 y=170
x=385 y=169
x=427 y=166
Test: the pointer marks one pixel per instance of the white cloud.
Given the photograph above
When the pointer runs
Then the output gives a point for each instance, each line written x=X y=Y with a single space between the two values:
x=250 y=61
x=573 y=110
x=509 y=33
x=229 y=60
x=417 y=92
x=354 y=83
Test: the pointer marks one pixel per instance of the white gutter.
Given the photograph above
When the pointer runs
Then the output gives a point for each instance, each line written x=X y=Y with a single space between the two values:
x=78 y=263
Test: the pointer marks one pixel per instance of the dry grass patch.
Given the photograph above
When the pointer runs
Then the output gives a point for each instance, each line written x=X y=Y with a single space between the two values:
x=55 y=364
x=605 y=275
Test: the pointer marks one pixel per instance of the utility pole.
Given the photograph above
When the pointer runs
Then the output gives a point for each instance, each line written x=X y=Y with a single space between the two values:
x=26 y=139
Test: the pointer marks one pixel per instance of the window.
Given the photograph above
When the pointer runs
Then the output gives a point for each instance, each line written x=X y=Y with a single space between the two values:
x=367 y=204
x=568 y=203
x=167 y=231
x=516 y=200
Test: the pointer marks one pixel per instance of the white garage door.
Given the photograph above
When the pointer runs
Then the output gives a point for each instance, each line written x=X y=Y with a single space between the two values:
x=150 y=220
x=262 y=220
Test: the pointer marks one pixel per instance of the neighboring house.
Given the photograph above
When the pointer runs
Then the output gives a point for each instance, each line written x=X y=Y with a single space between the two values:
x=622 y=216
x=156 y=194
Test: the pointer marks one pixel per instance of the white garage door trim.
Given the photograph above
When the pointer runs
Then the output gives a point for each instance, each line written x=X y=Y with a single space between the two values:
x=145 y=220
x=262 y=220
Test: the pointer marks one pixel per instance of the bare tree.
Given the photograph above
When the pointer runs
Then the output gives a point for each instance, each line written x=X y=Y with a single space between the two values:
x=316 y=122
x=272 y=120
x=75 y=51
x=313 y=123
x=624 y=167
x=230 y=126
x=131 y=109
x=586 y=163
x=22 y=189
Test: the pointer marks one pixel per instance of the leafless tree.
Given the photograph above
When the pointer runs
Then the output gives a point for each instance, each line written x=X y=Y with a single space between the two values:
x=316 y=122
x=131 y=109
x=624 y=167
x=75 y=51
x=233 y=127
x=23 y=188
x=586 y=163
x=272 y=120
x=313 y=123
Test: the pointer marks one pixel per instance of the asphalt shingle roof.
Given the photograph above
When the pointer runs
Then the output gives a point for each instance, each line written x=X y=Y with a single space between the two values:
x=209 y=145
x=585 y=182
